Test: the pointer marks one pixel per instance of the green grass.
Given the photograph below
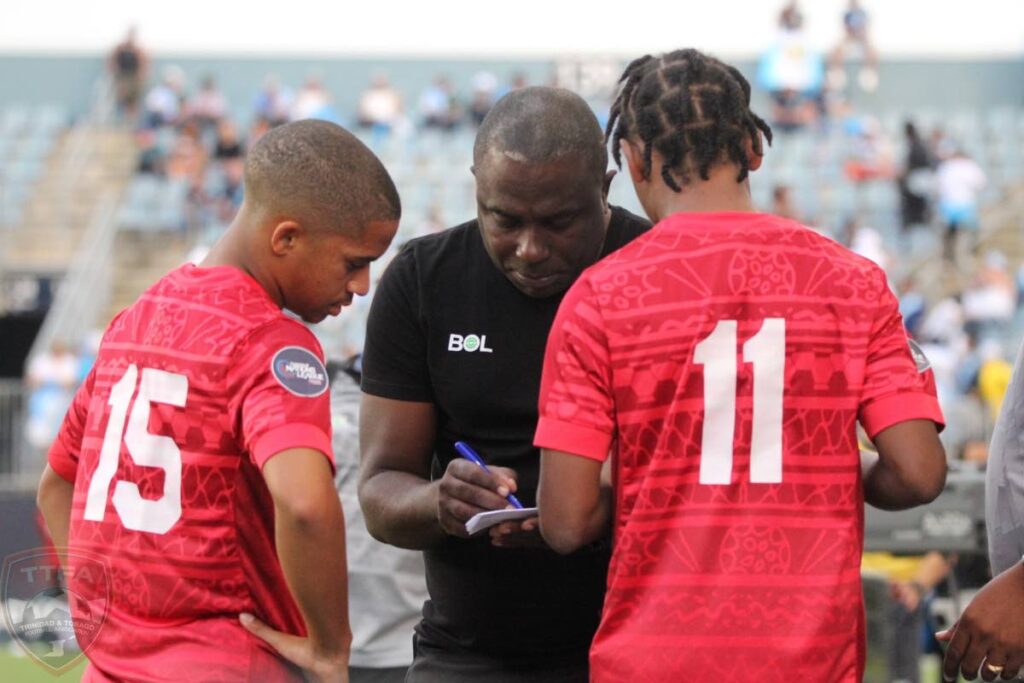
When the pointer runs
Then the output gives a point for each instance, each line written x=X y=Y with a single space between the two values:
x=17 y=667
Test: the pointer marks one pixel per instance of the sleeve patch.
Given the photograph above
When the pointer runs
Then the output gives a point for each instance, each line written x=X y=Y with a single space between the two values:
x=923 y=364
x=299 y=371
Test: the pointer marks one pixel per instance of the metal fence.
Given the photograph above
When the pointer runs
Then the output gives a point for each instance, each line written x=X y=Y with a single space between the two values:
x=20 y=465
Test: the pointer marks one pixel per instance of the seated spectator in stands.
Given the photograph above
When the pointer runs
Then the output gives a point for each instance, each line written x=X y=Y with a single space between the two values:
x=380 y=105
x=227 y=145
x=915 y=180
x=313 y=101
x=959 y=181
x=990 y=300
x=855 y=35
x=208 y=106
x=51 y=378
x=438 y=105
x=783 y=204
x=187 y=159
x=793 y=73
x=273 y=103
x=128 y=65
x=164 y=102
x=871 y=152
x=517 y=81
x=485 y=87
x=151 y=157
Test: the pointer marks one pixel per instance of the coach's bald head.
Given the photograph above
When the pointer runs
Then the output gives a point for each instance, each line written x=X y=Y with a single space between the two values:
x=540 y=125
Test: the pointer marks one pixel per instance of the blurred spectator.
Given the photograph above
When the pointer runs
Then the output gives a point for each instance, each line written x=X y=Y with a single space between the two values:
x=867 y=242
x=151 y=158
x=273 y=103
x=485 y=88
x=380 y=106
x=855 y=35
x=871 y=152
x=940 y=145
x=993 y=378
x=959 y=181
x=516 y=82
x=916 y=180
x=783 y=204
x=187 y=158
x=208 y=106
x=313 y=101
x=227 y=145
x=164 y=101
x=438 y=105
x=912 y=306
x=51 y=377
x=990 y=301
x=793 y=73
x=128 y=65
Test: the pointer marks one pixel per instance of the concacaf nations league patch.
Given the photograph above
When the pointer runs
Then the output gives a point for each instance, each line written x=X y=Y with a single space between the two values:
x=923 y=364
x=299 y=371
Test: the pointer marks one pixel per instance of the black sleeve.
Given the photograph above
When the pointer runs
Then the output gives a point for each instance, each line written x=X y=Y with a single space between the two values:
x=395 y=352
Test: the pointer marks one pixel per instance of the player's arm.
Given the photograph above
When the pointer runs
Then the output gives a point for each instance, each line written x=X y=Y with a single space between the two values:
x=575 y=508
x=402 y=506
x=910 y=469
x=900 y=413
x=54 y=501
x=310 y=538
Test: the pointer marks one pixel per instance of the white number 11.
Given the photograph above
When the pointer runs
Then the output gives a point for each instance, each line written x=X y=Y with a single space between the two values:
x=766 y=351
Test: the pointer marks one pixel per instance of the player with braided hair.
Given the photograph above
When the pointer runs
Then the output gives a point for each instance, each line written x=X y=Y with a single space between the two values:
x=722 y=361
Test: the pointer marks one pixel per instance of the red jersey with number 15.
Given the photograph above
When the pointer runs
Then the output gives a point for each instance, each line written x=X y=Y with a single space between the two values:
x=195 y=387
x=724 y=360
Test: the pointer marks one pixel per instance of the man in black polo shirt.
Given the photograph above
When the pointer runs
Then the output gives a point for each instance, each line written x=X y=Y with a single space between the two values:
x=454 y=347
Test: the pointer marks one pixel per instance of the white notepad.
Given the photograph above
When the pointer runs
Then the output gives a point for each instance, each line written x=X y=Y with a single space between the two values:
x=486 y=520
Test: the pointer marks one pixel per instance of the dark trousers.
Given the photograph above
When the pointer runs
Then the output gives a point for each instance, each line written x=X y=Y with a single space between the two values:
x=432 y=664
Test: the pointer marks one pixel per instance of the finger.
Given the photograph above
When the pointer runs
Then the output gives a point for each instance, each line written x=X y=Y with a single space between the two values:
x=955 y=653
x=1012 y=666
x=464 y=471
x=288 y=646
x=453 y=515
x=973 y=657
x=469 y=493
x=531 y=524
x=508 y=477
x=994 y=665
x=945 y=636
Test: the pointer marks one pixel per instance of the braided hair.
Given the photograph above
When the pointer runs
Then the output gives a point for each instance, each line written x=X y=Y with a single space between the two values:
x=693 y=109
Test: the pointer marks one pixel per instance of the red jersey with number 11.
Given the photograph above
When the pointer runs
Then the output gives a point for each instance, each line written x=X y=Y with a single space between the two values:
x=724 y=360
x=195 y=387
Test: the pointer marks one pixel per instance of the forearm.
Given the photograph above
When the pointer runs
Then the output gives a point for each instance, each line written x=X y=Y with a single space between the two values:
x=401 y=509
x=569 y=530
x=887 y=488
x=54 y=499
x=311 y=549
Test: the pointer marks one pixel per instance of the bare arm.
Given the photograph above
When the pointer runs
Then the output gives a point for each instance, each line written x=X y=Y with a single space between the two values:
x=401 y=504
x=310 y=536
x=910 y=469
x=575 y=507
x=54 y=500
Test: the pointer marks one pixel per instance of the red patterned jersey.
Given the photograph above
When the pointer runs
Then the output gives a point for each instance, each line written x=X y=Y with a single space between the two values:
x=724 y=360
x=195 y=387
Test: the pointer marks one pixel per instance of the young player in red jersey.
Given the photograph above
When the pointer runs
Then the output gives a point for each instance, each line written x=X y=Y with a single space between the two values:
x=722 y=361
x=197 y=454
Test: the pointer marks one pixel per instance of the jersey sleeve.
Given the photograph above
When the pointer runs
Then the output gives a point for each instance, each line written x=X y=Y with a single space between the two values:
x=894 y=389
x=576 y=410
x=279 y=392
x=395 y=352
x=63 y=455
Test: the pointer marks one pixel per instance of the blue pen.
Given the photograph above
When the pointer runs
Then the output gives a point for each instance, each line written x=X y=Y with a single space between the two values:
x=468 y=453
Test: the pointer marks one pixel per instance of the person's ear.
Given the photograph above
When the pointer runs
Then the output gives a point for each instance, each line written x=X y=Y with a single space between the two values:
x=606 y=184
x=754 y=151
x=284 y=237
x=634 y=160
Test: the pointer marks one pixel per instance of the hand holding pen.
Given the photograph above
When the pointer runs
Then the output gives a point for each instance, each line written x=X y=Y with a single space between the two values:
x=466 y=489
